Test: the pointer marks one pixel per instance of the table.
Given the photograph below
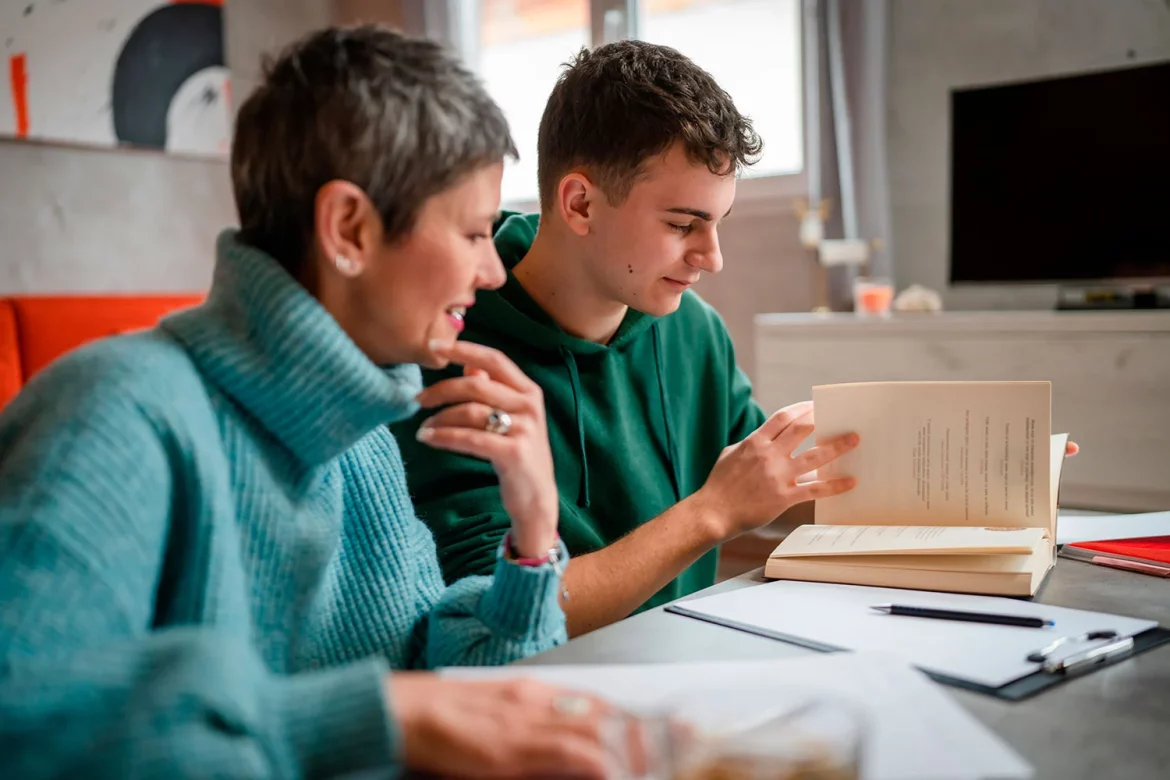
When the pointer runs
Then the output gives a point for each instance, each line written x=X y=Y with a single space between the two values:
x=1112 y=723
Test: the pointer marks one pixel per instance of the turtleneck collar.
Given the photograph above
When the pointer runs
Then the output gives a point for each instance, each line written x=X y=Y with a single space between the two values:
x=269 y=345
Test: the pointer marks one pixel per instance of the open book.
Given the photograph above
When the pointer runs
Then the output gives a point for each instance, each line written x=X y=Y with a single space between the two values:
x=956 y=490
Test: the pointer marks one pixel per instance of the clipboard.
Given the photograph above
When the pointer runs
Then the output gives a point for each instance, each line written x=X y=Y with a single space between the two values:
x=1020 y=689
x=1007 y=663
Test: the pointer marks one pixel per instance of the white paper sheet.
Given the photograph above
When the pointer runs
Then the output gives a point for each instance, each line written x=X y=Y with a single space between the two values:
x=1101 y=528
x=916 y=731
x=840 y=616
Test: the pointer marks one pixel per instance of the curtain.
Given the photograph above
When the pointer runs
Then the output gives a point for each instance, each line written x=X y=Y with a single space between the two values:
x=845 y=91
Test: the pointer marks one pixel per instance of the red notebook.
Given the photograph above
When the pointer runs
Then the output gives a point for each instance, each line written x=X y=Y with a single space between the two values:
x=1155 y=548
x=1148 y=556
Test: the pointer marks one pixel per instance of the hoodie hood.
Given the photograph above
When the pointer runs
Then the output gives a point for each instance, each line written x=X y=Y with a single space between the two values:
x=511 y=312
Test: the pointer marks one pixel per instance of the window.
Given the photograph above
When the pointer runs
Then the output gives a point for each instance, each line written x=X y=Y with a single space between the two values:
x=522 y=46
x=751 y=47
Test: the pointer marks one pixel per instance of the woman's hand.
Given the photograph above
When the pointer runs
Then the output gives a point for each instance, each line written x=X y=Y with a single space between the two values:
x=511 y=728
x=520 y=455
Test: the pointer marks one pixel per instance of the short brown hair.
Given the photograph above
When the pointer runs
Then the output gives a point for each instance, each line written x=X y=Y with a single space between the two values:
x=623 y=103
x=399 y=117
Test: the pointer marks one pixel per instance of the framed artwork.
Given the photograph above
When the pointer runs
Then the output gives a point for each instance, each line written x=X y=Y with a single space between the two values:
x=140 y=73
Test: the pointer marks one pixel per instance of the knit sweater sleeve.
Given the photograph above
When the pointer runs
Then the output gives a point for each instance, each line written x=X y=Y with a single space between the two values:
x=487 y=621
x=456 y=496
x=477 y=620
x=88 y=497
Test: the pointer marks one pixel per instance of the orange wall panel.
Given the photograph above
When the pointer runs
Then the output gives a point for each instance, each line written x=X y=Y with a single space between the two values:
x=47 y=326
x=10 y=373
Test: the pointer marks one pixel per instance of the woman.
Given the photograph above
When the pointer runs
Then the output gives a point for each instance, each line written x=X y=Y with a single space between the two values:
x=209 y=562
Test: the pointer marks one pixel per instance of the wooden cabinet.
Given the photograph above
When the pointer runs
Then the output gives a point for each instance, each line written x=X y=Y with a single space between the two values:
x=1110 y=374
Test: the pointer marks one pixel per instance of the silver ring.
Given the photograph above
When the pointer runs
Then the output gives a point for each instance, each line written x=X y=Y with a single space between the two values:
x=498 y=421
x=575 y=706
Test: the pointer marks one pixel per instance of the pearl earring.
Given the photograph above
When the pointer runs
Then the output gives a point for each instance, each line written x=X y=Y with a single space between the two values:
x=345 y=265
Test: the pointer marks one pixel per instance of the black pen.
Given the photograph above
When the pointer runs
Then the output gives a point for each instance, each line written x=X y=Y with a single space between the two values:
x=970 y=617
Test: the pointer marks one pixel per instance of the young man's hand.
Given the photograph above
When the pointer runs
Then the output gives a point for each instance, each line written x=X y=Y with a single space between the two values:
x=511 y=728
x=520 y=455
x=757 y=479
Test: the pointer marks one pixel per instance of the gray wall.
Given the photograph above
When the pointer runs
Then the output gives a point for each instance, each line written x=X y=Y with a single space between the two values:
x=85 y=220
x=76 y=219
x=255 y=28
x=936 y=45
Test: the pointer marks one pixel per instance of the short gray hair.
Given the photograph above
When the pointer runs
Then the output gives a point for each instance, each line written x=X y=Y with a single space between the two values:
x=398 y=116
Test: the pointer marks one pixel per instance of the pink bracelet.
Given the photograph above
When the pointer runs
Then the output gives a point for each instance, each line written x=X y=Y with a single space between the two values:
x=553 y=557
x=511 y=553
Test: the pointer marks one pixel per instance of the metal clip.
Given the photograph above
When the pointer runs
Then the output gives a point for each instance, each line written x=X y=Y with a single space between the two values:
x=1079 y=661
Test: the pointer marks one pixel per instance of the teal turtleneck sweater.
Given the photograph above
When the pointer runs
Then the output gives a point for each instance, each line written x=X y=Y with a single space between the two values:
x=208 y=556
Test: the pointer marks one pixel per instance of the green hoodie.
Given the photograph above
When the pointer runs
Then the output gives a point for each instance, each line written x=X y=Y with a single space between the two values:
x=635 y=425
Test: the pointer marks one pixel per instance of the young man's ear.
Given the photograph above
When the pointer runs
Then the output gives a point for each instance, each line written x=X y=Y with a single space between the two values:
x=577 y=201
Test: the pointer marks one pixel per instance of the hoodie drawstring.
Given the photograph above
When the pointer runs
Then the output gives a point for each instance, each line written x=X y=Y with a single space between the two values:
x=670 y=450
x=575 y=380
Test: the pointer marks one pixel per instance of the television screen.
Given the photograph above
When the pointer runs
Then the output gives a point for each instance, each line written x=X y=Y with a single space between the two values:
x=1063 y=179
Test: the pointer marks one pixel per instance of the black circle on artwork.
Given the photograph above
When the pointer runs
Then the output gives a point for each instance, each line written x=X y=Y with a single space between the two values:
x=169 y=46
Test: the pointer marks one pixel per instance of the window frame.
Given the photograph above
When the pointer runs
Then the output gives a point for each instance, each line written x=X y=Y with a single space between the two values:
x=612 y=20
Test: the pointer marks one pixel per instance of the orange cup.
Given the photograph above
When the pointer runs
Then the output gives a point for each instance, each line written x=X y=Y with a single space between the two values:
x=872 y=297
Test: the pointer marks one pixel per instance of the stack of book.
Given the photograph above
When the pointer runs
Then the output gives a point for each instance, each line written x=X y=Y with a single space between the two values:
x=957 y=486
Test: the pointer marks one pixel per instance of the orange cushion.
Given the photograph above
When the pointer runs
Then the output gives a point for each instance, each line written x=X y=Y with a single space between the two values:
x=10 y=376
x=51 y=326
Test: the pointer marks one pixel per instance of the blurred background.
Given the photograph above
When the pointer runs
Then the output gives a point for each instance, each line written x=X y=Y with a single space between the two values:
x=950 y=189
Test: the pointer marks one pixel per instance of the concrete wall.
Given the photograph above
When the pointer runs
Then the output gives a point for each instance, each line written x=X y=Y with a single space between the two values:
x=256 y=28
x=77 y=219
x=89 y=220
x=936 y=45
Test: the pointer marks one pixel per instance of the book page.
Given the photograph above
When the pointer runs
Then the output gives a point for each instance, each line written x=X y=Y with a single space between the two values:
x=1057 y=456
x=837 y=540
x=939 y=453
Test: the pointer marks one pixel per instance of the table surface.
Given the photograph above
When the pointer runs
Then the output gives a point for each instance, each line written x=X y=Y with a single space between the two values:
x=1113 y=723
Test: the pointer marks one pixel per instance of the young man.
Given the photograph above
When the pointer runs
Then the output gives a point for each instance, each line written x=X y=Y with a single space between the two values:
x=660 y=452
